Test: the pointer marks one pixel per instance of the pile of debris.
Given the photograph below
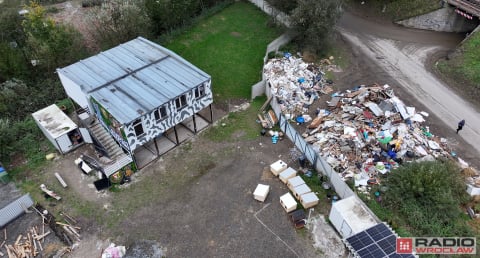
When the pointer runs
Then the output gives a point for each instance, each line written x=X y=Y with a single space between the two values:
x=28 y=245
x=31 y=243
x=295 y=84
x=368 y=131
x=363 y=132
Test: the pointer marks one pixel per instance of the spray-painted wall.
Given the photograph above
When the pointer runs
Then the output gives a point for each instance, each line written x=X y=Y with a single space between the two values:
x=110 y=123
x=444 y=19
x=153 y=128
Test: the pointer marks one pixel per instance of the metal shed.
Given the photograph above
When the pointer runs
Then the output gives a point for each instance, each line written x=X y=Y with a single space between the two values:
x=60 y=130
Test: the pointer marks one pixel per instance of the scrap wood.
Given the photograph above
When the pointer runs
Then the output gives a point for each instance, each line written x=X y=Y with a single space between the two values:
x=266 y=103
x=70 y=232
x=272 y=117
x=69 y=217
x=60 y=179
x=18 y=239
x=263 y=121
x=50 y=192
x=315 y=122
x=12 y=252
x=68 y=225
x=40 y=237
x=39 y=213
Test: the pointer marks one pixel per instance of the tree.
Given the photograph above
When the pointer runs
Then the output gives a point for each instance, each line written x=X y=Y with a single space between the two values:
x=169 y=14
x=118 y=21
x=315 y=22
x=429 y=196
x=49 y=45
x=285 y=6
x=13 y=62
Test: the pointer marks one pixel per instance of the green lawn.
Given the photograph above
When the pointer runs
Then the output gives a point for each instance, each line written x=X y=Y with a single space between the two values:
x=229 y=46
x=467 y=63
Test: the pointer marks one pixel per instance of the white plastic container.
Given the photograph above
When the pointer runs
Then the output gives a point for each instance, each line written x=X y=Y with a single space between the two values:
x=261 y=192
x=299 y=190
x=308 y=200
x=277 y=167
x=294 y=181
x=287 y=174
x=288 y=202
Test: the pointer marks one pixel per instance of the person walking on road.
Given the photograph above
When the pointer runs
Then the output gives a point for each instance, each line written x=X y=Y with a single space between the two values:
x=461 y=124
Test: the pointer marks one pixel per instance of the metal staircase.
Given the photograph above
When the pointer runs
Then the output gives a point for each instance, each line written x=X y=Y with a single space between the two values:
x=112 y=149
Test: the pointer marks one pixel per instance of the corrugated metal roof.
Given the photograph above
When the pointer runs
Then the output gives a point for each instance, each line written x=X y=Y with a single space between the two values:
x=121 y=162
x=134 y=78
x=54 y=121
x=15 y=209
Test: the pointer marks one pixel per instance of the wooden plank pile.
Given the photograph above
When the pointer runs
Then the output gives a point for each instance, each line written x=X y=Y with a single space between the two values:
x=28 y=245
x=31 y=243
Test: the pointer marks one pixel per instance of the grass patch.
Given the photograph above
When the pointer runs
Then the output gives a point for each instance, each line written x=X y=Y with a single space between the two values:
x=230 y=47
x=399 y=9
x=467 y=63
x=240 y=125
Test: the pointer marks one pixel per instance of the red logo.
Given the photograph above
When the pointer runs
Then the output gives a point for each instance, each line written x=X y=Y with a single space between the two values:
x=404 y=245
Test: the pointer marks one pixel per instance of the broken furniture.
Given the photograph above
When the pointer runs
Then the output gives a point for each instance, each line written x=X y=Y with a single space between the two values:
x=287 y=174
x=308 y=200
x=288 y=202
x=301 y=189
x=261 y=192
x=294 y=181
x=49 y=192
x=277 y=167
x=86 y=169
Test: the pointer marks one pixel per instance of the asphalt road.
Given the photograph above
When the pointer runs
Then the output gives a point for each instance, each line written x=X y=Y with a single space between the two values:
x=402 y=54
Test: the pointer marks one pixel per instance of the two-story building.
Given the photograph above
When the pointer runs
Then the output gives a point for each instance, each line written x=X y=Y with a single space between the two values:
x=146 y=97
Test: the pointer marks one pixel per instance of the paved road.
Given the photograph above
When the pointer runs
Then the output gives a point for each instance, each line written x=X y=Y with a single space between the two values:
x=402 y=53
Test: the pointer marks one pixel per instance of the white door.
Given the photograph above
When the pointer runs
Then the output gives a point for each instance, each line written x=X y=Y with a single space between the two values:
x=64 y=143
x=86 y=135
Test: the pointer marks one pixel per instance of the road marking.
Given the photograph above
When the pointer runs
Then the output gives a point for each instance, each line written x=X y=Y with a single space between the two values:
x=271 y=231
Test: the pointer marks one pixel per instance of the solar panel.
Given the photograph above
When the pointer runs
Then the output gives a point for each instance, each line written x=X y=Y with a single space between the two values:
x=395 y=255
x=379 y=231
x=360 y=240
x=388 y=244
x=375 y=242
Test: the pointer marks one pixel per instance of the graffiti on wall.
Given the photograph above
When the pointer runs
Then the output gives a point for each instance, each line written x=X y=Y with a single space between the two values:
x=110 y=123
x=154 y=128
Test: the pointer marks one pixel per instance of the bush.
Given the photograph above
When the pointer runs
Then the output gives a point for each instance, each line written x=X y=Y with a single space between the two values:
x=428 y=195
x=91 y=3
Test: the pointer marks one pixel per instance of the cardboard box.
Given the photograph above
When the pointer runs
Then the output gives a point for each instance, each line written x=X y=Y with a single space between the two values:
x=288 y=202
x=277 y=167
x=261 y=192
x=308 y=200
x=294 y=181
x=287 y=174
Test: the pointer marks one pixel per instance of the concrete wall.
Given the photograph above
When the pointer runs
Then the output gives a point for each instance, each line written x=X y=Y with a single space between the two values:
x=259 y=88
x=444 y=19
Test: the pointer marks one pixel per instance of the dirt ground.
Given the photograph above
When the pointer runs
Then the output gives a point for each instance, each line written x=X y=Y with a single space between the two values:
x=196 y=201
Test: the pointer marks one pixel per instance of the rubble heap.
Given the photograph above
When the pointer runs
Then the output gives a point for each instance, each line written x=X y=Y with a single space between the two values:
x=363 y=132
x=294 y=83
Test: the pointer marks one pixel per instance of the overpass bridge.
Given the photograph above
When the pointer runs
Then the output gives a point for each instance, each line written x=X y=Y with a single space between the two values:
x=467 y=8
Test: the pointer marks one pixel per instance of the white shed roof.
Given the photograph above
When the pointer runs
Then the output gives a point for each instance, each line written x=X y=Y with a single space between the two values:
x=134 y=78
x=54 y=121
x=355 y=214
